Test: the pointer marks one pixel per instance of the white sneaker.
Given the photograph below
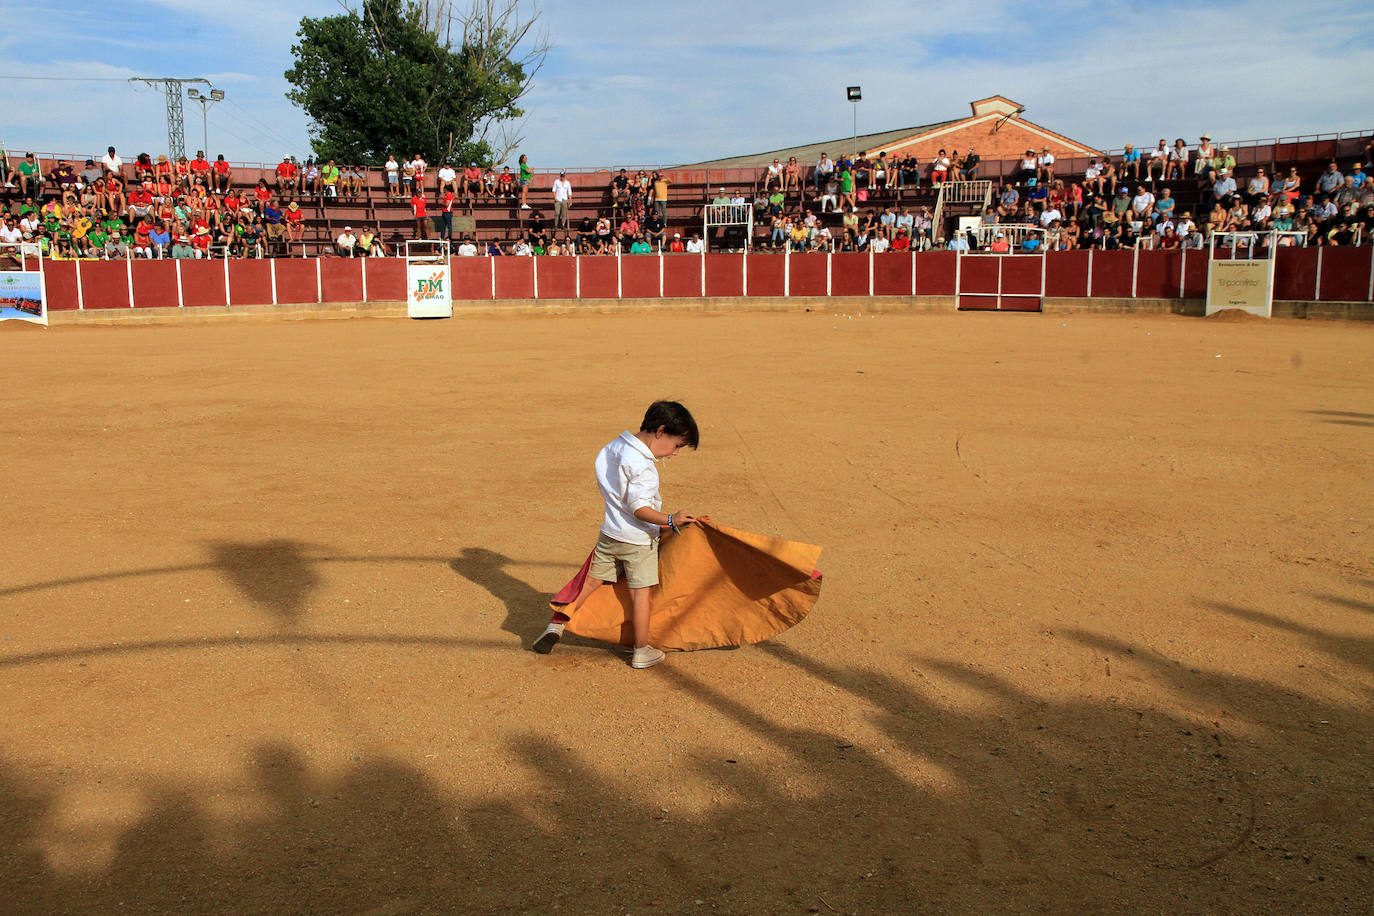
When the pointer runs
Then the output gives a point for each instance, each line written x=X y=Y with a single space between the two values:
x=549 y=638
x=524 y=206
x=646 y=657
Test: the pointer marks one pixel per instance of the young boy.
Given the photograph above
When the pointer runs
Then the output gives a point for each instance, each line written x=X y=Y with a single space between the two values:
x=628 y=481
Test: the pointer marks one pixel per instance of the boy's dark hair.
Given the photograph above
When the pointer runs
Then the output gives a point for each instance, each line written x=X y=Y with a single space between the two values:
x=675 y=419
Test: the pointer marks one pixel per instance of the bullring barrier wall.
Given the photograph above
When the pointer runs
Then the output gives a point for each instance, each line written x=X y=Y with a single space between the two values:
x=1305 y=274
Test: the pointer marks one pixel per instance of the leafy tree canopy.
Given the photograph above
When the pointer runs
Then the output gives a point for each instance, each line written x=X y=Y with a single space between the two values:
x=380 y=80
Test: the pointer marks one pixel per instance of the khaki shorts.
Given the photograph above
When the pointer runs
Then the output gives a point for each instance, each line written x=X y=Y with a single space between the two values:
x=639 y=560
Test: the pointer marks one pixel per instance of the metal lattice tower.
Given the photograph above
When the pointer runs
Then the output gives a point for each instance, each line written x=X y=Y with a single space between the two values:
x=176 y=131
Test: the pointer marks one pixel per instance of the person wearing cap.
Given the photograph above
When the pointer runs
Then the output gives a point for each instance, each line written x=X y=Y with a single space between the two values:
x=472 y=184
x=295 y=222
x=676 y=246
x=346 y=244
x=1205 y=151
x=1224 y=160
x=286 y=176
x=562 y=198
x=1044 y=166
x=112 y=163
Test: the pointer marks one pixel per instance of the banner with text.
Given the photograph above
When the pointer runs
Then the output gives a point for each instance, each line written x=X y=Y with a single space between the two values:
x=1244 y=285
x=21 y=296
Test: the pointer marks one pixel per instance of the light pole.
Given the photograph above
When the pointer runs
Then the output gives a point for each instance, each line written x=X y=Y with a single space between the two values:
x=854 y=94
x=195 y=95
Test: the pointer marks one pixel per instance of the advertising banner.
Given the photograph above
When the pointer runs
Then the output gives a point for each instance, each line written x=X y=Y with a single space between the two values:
x=1245 y=285
x=21 y=296
x=428 y=294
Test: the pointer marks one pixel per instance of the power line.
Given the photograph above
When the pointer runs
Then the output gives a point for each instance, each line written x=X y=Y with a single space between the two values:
x=250 y=143
x=262 y=125
x=67 y=79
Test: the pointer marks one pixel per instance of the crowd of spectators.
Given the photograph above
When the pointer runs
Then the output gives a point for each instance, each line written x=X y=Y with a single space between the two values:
x=194 y=208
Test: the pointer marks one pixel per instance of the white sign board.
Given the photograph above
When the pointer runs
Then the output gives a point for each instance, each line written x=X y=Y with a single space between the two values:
x=428 y=294
x=1245 y=285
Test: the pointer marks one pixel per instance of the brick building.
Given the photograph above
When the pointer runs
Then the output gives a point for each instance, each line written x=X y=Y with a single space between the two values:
x=996 y=129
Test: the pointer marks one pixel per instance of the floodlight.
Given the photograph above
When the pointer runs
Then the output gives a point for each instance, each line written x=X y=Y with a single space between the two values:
x=854 y=93
x=193 y=93
x=217 y=94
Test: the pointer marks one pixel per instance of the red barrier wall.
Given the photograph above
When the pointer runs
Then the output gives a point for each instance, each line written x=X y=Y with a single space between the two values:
x=935 y=273
x=639 y=276
x=470 y=278
x=105 y=284
x=155 y=284
x=557 y=278
x=1021 y=276
x=296 y=281
x=599 y=278
x=59 y=277
x=514 y=277
x=682 y=276
x=1066 y=273
x=848 y=274
x=807 y=275
x=1112 y=274
x=724 y=275
x=892 y=274
x=765 y=275
x=1295 y=274
x=1158 y=273
x=386 y=279
x=202 y=283
x=1345 y=274
x=342 y=279
x=1345 y=277
x=1195 y=275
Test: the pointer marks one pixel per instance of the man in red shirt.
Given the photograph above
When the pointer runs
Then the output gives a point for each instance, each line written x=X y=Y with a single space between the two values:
x=417 y=206
x=295 y=222
x=140 y=202
x=200 y=167
x=286 y=176
x=446 y=231
x=472 y=183
x=223 y=175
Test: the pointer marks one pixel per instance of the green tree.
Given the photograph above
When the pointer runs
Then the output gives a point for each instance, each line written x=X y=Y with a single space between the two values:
x=381 y=79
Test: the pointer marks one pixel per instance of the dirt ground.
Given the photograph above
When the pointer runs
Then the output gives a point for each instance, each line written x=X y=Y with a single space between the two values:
x=1097 y=630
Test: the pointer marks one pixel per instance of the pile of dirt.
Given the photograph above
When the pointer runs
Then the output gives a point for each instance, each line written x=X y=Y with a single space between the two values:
x=1234 y=315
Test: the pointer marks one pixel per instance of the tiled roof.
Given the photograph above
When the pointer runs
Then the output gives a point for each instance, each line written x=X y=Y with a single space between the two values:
x=810 y=152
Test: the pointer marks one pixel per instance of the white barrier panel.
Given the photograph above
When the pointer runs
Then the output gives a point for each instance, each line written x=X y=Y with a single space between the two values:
x=428 y=293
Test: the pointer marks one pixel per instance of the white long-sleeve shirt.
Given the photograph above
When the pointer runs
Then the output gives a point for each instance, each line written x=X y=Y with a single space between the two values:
x=628 y=480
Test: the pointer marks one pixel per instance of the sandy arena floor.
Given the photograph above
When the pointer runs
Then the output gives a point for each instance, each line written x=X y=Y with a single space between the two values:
x=1097 y=633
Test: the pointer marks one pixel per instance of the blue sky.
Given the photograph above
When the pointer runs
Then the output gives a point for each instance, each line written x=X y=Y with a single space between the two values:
x=628 y=84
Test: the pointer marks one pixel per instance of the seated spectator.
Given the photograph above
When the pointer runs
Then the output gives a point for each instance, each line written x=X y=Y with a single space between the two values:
x=1257 y=188
x=329 y=179
x=1159 y=161
x=1347 y=193
x=27 y=176
x=347 y=243
x=367 y=239
x=352 y=181
x=505 y=183
x=939 y=168
x=112 y=163
x=295 y=222
x=695 y=245
x=466 y=249
x=1223 y=161
x=274 y=222
x=115 y=247
x=182 y=249
x=448 y=178
x=1224 y=186
x=1044 y=166
x=1130 y=163
x=472 y=183
x=286 y=176
x=676 y=246
x=222 y=178
x=1165 y=204
x=968 y=169
x=1177 y=164
x=310 y=178
x=1202 y=166
x=1143 y=204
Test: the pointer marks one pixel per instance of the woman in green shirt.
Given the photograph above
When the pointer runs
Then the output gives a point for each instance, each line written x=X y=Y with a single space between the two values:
x=526 y=175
